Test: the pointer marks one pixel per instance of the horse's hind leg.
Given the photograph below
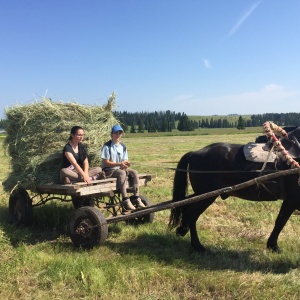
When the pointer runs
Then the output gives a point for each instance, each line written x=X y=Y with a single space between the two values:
x=193 y=214
x=183 y=229
x=286 y=210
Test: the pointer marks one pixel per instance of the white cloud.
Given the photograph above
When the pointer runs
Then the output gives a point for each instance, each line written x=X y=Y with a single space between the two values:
x=269 y=88
x=270 y=98
x=206 y=63
x=243 y=18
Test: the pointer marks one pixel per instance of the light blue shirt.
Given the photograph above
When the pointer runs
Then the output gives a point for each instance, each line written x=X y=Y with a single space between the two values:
x=115 y=153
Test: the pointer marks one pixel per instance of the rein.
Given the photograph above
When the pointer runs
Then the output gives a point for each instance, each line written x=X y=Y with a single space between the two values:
x=222 y=172
x=207 y=172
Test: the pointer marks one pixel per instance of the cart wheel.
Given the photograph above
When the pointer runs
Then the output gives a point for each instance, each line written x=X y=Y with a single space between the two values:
x=20 y=207
x=82 y=201
x=145 y=218
x=88 y=227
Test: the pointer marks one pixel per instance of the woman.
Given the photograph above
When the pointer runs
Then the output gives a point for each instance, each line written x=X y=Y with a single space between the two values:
x=75 y=164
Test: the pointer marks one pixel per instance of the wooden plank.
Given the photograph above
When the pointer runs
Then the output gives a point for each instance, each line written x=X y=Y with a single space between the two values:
x=71 y=189
x=96 y=190
x=82 y=188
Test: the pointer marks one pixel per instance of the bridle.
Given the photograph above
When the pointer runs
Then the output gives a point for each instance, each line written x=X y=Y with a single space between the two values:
x=269 y=127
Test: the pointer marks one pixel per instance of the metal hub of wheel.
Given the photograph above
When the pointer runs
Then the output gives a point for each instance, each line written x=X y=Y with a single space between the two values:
x=84 y=228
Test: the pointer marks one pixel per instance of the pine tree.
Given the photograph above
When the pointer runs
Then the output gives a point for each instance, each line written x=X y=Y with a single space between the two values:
x=241 y=123
x=185 y=124
x=132 y=129
x=141 y=127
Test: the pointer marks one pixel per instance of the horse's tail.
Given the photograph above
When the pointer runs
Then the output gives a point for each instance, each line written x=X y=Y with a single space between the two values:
x=179 y=189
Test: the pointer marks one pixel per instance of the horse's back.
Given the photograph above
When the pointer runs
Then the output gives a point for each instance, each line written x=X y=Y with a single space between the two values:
x=217 y=156
x=219 y=165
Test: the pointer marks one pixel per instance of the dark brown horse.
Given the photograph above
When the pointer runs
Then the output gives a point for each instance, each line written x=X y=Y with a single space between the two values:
x=222 y=165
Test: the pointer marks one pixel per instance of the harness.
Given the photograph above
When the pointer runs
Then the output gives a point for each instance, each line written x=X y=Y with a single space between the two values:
x=269 y=127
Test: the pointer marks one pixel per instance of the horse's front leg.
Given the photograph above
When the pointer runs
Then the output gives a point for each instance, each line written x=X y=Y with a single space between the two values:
x=286 y=210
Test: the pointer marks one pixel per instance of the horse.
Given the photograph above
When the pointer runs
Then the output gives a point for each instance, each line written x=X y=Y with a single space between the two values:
x=221 y=165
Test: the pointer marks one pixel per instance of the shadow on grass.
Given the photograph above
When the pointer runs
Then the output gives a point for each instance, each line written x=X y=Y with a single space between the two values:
x=51 y=225
x=50 y=222
x=168 y=248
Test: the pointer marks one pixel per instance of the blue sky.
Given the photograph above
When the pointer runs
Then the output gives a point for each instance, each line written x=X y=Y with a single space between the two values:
x=200 y=57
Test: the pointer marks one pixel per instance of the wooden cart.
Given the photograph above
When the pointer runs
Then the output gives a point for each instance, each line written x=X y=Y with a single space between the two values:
x=96 y=204
x=88 y=226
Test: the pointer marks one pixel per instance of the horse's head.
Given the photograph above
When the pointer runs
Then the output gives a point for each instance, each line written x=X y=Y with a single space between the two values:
x=292 y=142
x=294 y=137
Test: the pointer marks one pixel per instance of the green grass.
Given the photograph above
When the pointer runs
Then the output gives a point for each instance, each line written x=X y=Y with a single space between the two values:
x=148 y=261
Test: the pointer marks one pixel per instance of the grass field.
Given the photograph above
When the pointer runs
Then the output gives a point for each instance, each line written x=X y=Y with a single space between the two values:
x=149 y=262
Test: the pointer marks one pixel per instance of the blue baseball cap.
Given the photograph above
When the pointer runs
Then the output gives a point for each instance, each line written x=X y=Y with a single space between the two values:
x=116 y=128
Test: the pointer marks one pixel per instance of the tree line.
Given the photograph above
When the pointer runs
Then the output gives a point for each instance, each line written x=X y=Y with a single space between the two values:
x=166 y=121
x=162 y=121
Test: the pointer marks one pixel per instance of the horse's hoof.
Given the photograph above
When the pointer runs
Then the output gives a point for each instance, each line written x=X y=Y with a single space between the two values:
x=182 y=231
x=200 y=249
x=274 y=248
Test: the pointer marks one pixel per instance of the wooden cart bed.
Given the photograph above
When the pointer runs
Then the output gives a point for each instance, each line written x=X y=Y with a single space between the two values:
x=83 y=189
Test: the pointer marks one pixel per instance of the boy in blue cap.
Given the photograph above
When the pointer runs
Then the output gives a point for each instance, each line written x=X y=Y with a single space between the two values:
x=115 y=164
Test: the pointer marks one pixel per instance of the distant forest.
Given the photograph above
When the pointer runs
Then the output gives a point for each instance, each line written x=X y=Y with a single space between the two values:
x=166 y=121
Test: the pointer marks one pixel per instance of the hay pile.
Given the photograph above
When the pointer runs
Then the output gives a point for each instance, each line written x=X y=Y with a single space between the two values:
x=37 y=133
